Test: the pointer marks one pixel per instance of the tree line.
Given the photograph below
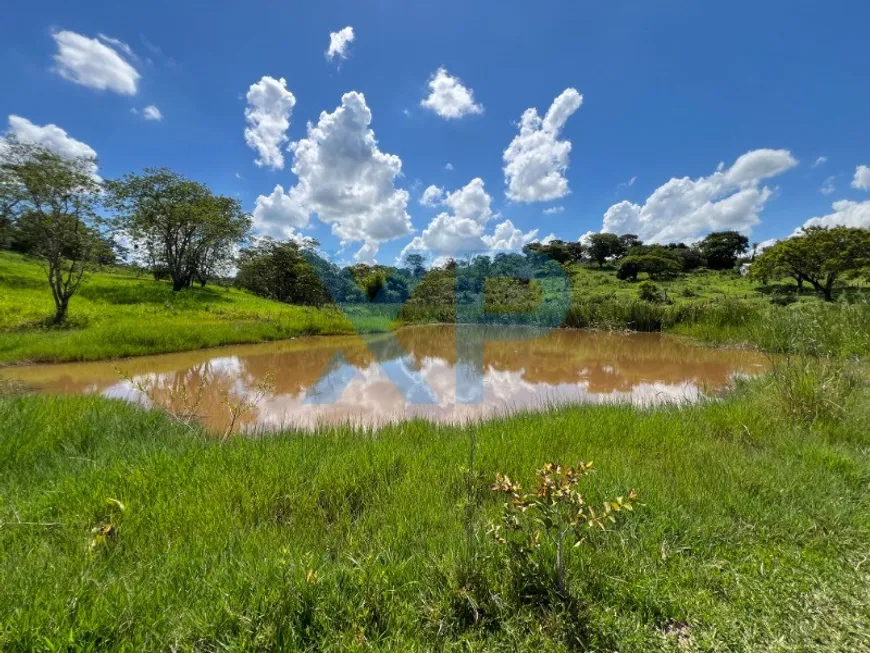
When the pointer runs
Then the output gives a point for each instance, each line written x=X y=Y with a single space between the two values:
x=157 y=220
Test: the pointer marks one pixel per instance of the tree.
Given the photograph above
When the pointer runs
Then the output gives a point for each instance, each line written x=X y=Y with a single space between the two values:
x=52 y=202
x=657 y=267
x=414 y=262
x=771 y=264
x=604 y=246
x=630 y=240
x=690 y=258
x=226 y=226
x=11 y=195
x=179 y=223
x=558 y=250
x=721 y=249
x=280 y=271
x=819 y=255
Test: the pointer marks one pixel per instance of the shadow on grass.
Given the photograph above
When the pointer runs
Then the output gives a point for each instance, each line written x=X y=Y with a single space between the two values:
x=137 y=291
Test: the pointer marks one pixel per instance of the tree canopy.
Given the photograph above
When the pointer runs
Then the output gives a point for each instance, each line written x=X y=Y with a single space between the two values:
x=604 y=246
x=818 y=255
x=721 y=249
x=52 y=201
x=178 y=223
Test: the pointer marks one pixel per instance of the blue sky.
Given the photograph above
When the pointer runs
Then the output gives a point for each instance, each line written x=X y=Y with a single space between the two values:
x=669 y=90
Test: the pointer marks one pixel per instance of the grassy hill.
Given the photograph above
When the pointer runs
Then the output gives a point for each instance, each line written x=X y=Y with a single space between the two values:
x=117 y=314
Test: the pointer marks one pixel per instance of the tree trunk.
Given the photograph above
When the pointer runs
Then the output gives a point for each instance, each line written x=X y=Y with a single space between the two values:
x=177 y=284
x=60 y=312
x=829 y=288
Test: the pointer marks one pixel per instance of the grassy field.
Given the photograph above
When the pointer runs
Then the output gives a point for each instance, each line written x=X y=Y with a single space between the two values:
x=117 y=314
x=754 y=533
x=121 y=530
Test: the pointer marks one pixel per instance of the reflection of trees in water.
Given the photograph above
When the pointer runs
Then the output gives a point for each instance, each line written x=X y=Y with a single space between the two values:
x=602 y=363
x=605 y=362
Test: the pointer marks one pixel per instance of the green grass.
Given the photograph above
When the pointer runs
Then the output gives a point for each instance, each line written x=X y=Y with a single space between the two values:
x=116 y=314
x=753 y=536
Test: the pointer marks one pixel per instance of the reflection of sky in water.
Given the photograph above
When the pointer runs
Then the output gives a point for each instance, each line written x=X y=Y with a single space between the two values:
x=418 y=373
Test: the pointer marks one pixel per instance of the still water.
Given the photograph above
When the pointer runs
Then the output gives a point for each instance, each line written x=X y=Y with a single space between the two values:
x=441 y=373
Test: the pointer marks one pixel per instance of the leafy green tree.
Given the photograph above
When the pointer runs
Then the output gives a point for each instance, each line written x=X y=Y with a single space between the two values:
x=604 y=246
x=52 y=202
x=690 y=258
x=721 y=249
x=180 y=223
x=657 y=267
x=630 y=240
x=280 y=271
x=558 y=250
x=414 y=263
x=819 y=255
x=771 y=264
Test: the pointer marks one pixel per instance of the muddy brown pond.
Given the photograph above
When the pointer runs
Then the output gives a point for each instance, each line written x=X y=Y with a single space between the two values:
x=441 y=373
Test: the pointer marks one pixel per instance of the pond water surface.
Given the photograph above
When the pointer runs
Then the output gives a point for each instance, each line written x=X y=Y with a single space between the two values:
x=441 y=373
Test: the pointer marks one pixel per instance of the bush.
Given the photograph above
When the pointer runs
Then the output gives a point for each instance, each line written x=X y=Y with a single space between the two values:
x=783 y=299
x=650 y=292
x=657 y=267
x=555 y=513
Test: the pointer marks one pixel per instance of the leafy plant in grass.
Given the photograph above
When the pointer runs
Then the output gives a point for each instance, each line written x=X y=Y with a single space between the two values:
x=556 y=511
x=650 y=292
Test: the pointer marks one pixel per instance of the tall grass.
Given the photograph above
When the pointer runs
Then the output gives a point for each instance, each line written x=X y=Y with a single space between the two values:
x=750 y=538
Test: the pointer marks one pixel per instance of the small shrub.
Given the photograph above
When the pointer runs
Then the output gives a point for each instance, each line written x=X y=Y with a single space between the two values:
x=650 y=292
x=688 y=292
x=555 y=511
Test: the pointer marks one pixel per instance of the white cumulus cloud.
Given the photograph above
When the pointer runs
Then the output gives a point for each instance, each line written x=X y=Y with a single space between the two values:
x=686 y=209
x=471 y=202
x=828 y=187
x=846 y=214
x=152 y=113
x=53 y=138
x=94 y=64
x=347 y=181
x=449 y=98
x=279 y=214
x=462 y=230
x=862 y=178
x=536 y=160
x=432 y=196
x=822 y=160
x=339 y=42
x=554 y=210
x=509 y=238
x=268 y=116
